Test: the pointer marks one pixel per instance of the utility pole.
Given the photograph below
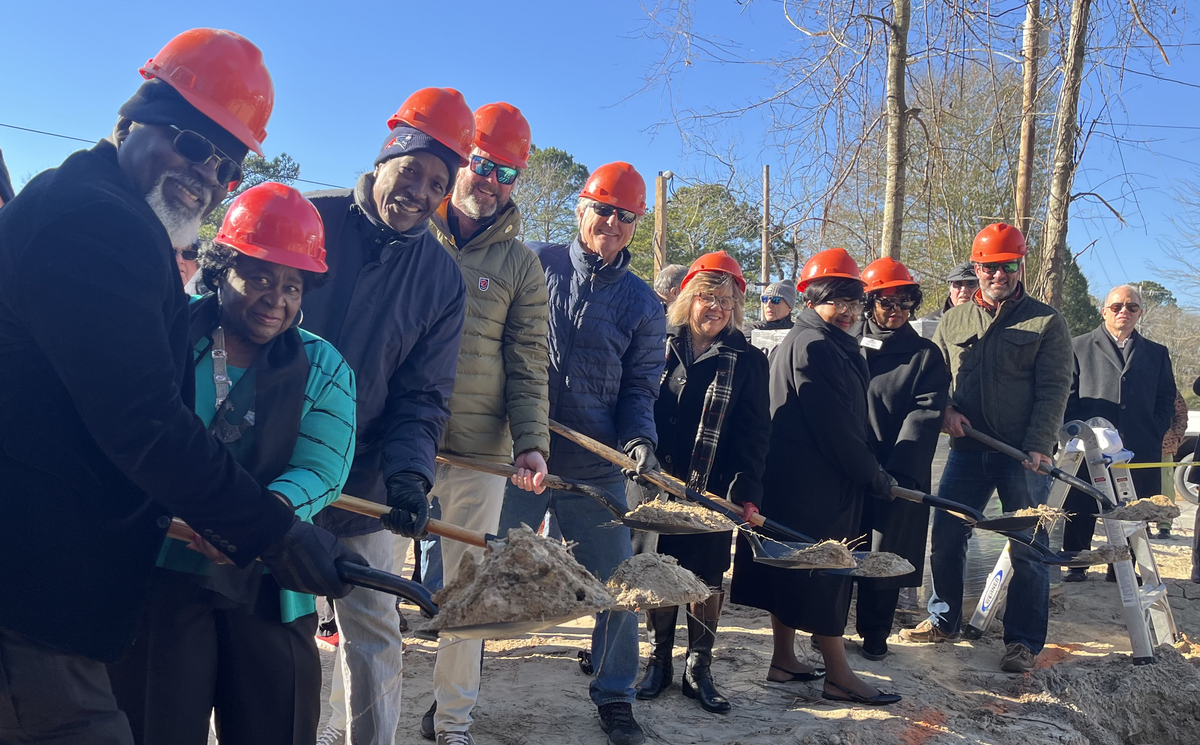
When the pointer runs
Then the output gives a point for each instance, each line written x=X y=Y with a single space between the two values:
x=766 y=226
x=660 y=223
x=1032 y=50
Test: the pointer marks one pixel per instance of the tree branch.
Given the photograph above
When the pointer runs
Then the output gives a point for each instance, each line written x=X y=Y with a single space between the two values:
x=1138 y=17
x=1102 y=201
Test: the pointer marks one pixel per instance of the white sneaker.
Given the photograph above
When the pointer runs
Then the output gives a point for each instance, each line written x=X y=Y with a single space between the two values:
x=455 y=738
x=331 y=736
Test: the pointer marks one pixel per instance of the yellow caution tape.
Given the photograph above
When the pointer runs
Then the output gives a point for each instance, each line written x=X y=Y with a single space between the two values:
x=1147 y=465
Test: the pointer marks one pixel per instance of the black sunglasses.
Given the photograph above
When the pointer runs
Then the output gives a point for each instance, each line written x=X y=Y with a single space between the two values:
x=504 y=174
x=189 y=254
x=887 y=303
x=606 y=210
x=1131 y=307
x=195 y=148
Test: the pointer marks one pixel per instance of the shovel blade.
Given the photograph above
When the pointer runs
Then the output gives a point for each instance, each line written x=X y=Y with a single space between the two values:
x=505 y=630
x=662 y=529
x=1027 y=522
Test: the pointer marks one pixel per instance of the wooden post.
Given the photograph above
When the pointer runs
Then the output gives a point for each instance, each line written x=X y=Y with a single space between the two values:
x=1031 y=52
x=897 y=130
x=766 y=225
x=660 y=223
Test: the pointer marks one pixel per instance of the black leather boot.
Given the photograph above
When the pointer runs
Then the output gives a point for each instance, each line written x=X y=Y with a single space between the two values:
x=660 y=625
x=697 y=676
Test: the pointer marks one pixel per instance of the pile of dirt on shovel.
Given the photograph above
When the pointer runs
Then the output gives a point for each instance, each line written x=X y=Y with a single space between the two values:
x=1106 y=554
x=1110 y=701
x=883 y=564
x=680 y=514
x=522 y=578
x=1157 y=508
x=648 y=581
x=1047 y=515
x=831 y=554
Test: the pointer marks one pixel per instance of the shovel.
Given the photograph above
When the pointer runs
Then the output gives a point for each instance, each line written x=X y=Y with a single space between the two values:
x=352 y=574
x=971 y=516
x=1068 y=478
x=435 y=527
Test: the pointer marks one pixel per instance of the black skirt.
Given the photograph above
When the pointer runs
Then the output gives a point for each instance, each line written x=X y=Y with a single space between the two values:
x=707 y=555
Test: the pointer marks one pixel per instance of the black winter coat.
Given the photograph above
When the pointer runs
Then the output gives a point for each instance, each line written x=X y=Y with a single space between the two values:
x=1137 y=395
x=820 y=468
x=394 y=309
x=906 y=401
x=741 y=452
x=99 y=444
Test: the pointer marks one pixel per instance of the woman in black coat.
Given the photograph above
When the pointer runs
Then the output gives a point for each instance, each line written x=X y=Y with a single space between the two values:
x=906 y=400
x=820 y=471
x=713 y=428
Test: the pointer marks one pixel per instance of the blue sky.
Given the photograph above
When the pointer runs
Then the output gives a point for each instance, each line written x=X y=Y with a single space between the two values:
x=341 y=69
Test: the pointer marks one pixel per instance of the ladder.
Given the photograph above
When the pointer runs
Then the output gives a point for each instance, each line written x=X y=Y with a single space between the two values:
x=1147 y=609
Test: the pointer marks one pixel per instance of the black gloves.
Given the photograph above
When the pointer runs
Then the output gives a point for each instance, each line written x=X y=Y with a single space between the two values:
x=406 y=495
x=881 y=486
x=306 y=559
x=642 y=453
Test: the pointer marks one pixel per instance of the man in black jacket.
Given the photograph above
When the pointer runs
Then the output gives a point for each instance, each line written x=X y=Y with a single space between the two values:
x=1125 y=378
x=99 y=445
x=394 y=309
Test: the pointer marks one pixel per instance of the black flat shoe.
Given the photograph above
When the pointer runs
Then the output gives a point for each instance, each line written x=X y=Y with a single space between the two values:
x=882 y=699
x=816 y=674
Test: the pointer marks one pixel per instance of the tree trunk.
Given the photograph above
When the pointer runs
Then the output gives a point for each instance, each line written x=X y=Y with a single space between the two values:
x=1032 y=51
x=897 y=130
x=1062 y=172
x=766 y=226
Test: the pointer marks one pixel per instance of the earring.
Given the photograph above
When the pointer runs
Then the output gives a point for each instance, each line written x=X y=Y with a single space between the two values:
x=299 y=318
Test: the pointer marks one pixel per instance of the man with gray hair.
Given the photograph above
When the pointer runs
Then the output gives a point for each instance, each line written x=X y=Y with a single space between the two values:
x=666 y=283
x=607 y=342
x=1125 y=378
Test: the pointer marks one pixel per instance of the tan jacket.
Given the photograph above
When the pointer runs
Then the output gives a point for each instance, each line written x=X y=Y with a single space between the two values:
x=500 y=406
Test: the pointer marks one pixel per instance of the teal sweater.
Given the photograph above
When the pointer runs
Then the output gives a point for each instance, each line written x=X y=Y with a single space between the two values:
x=320 y=460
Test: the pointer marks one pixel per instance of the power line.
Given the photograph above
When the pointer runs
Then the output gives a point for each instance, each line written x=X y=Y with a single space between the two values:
x=80 y=139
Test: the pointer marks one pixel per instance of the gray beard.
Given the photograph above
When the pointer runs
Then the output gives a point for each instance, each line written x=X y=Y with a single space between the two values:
x=183 y=227
x=469 y=205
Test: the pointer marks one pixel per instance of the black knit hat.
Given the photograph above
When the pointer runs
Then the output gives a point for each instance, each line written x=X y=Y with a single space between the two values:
x=156 y=102
x=404 y=139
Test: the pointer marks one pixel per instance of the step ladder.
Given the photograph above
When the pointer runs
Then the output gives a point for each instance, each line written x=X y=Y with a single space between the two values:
x=1147 y=609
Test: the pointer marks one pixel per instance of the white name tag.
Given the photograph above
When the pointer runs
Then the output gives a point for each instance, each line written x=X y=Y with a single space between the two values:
x=870 y=343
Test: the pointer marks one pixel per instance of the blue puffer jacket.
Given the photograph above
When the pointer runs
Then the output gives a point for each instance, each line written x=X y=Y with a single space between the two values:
x=607 y=336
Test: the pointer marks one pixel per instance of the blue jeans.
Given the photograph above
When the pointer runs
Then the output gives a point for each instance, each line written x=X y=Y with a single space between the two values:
x=431 y=553
x=601 y=547
x=969 y=479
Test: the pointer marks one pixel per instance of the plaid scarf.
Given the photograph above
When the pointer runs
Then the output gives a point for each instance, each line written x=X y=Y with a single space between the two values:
x=716 y=403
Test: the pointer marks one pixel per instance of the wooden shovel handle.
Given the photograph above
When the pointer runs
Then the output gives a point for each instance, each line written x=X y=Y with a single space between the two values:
x=436 y=527
x=499 y=469
x=662 y=480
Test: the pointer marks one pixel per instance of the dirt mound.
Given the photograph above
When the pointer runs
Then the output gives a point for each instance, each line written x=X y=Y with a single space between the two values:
x=826 y=554
x=883 y=564
x=1047 y=515
x=682 y=515
x=1157 y=508
x=523 y=578
x=1104 y=555
x=655 y=581
x=1111 y=701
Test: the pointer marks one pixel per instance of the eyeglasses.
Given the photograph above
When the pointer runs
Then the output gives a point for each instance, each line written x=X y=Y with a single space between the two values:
x=504 y=174
x=195 y=148
x=772 y=299
x=845 y=306
x=188 y=254
x=1009 y=267
x=1131 y=307
x=965 y=284
x=712 y=301
x=606 y=210
x=888 y=303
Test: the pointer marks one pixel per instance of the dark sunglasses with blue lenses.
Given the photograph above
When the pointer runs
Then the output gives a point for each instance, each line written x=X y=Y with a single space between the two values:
x=483 y=167
x=195 y=148
x=606 y=210
x=772 y=299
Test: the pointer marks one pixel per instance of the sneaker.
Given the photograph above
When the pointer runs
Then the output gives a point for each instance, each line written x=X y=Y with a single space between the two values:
x=1075 y=574
x=427 y=730
x=331 y=736
x=1017 y=659
x=455 y=738
x=616 y=719
x=328 y=643
x=927 y=632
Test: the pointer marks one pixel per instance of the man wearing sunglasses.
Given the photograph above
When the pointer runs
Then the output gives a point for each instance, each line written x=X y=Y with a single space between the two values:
x=607 y=334
x=99 y=445
x=1010 y=361
x=499 y=407
x=777 y=302
x=1125 y=378
x=961 y=286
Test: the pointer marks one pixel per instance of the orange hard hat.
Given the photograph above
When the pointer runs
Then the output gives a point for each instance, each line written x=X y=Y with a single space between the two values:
x=998 y=242
x=886 y=272
x=618 y=184
x=441 y=113
x=222 y=74
x=275 y=223
x=717 y=261
x=502 y=134
x=832 y=262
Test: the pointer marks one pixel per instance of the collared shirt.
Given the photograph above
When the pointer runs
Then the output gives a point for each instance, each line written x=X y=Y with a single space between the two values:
x=1122 y=344
x=978 y=298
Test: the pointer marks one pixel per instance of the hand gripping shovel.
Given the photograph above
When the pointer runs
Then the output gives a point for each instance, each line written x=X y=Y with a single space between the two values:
x=971 y=516
x=774 y=553
x=352 y=574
